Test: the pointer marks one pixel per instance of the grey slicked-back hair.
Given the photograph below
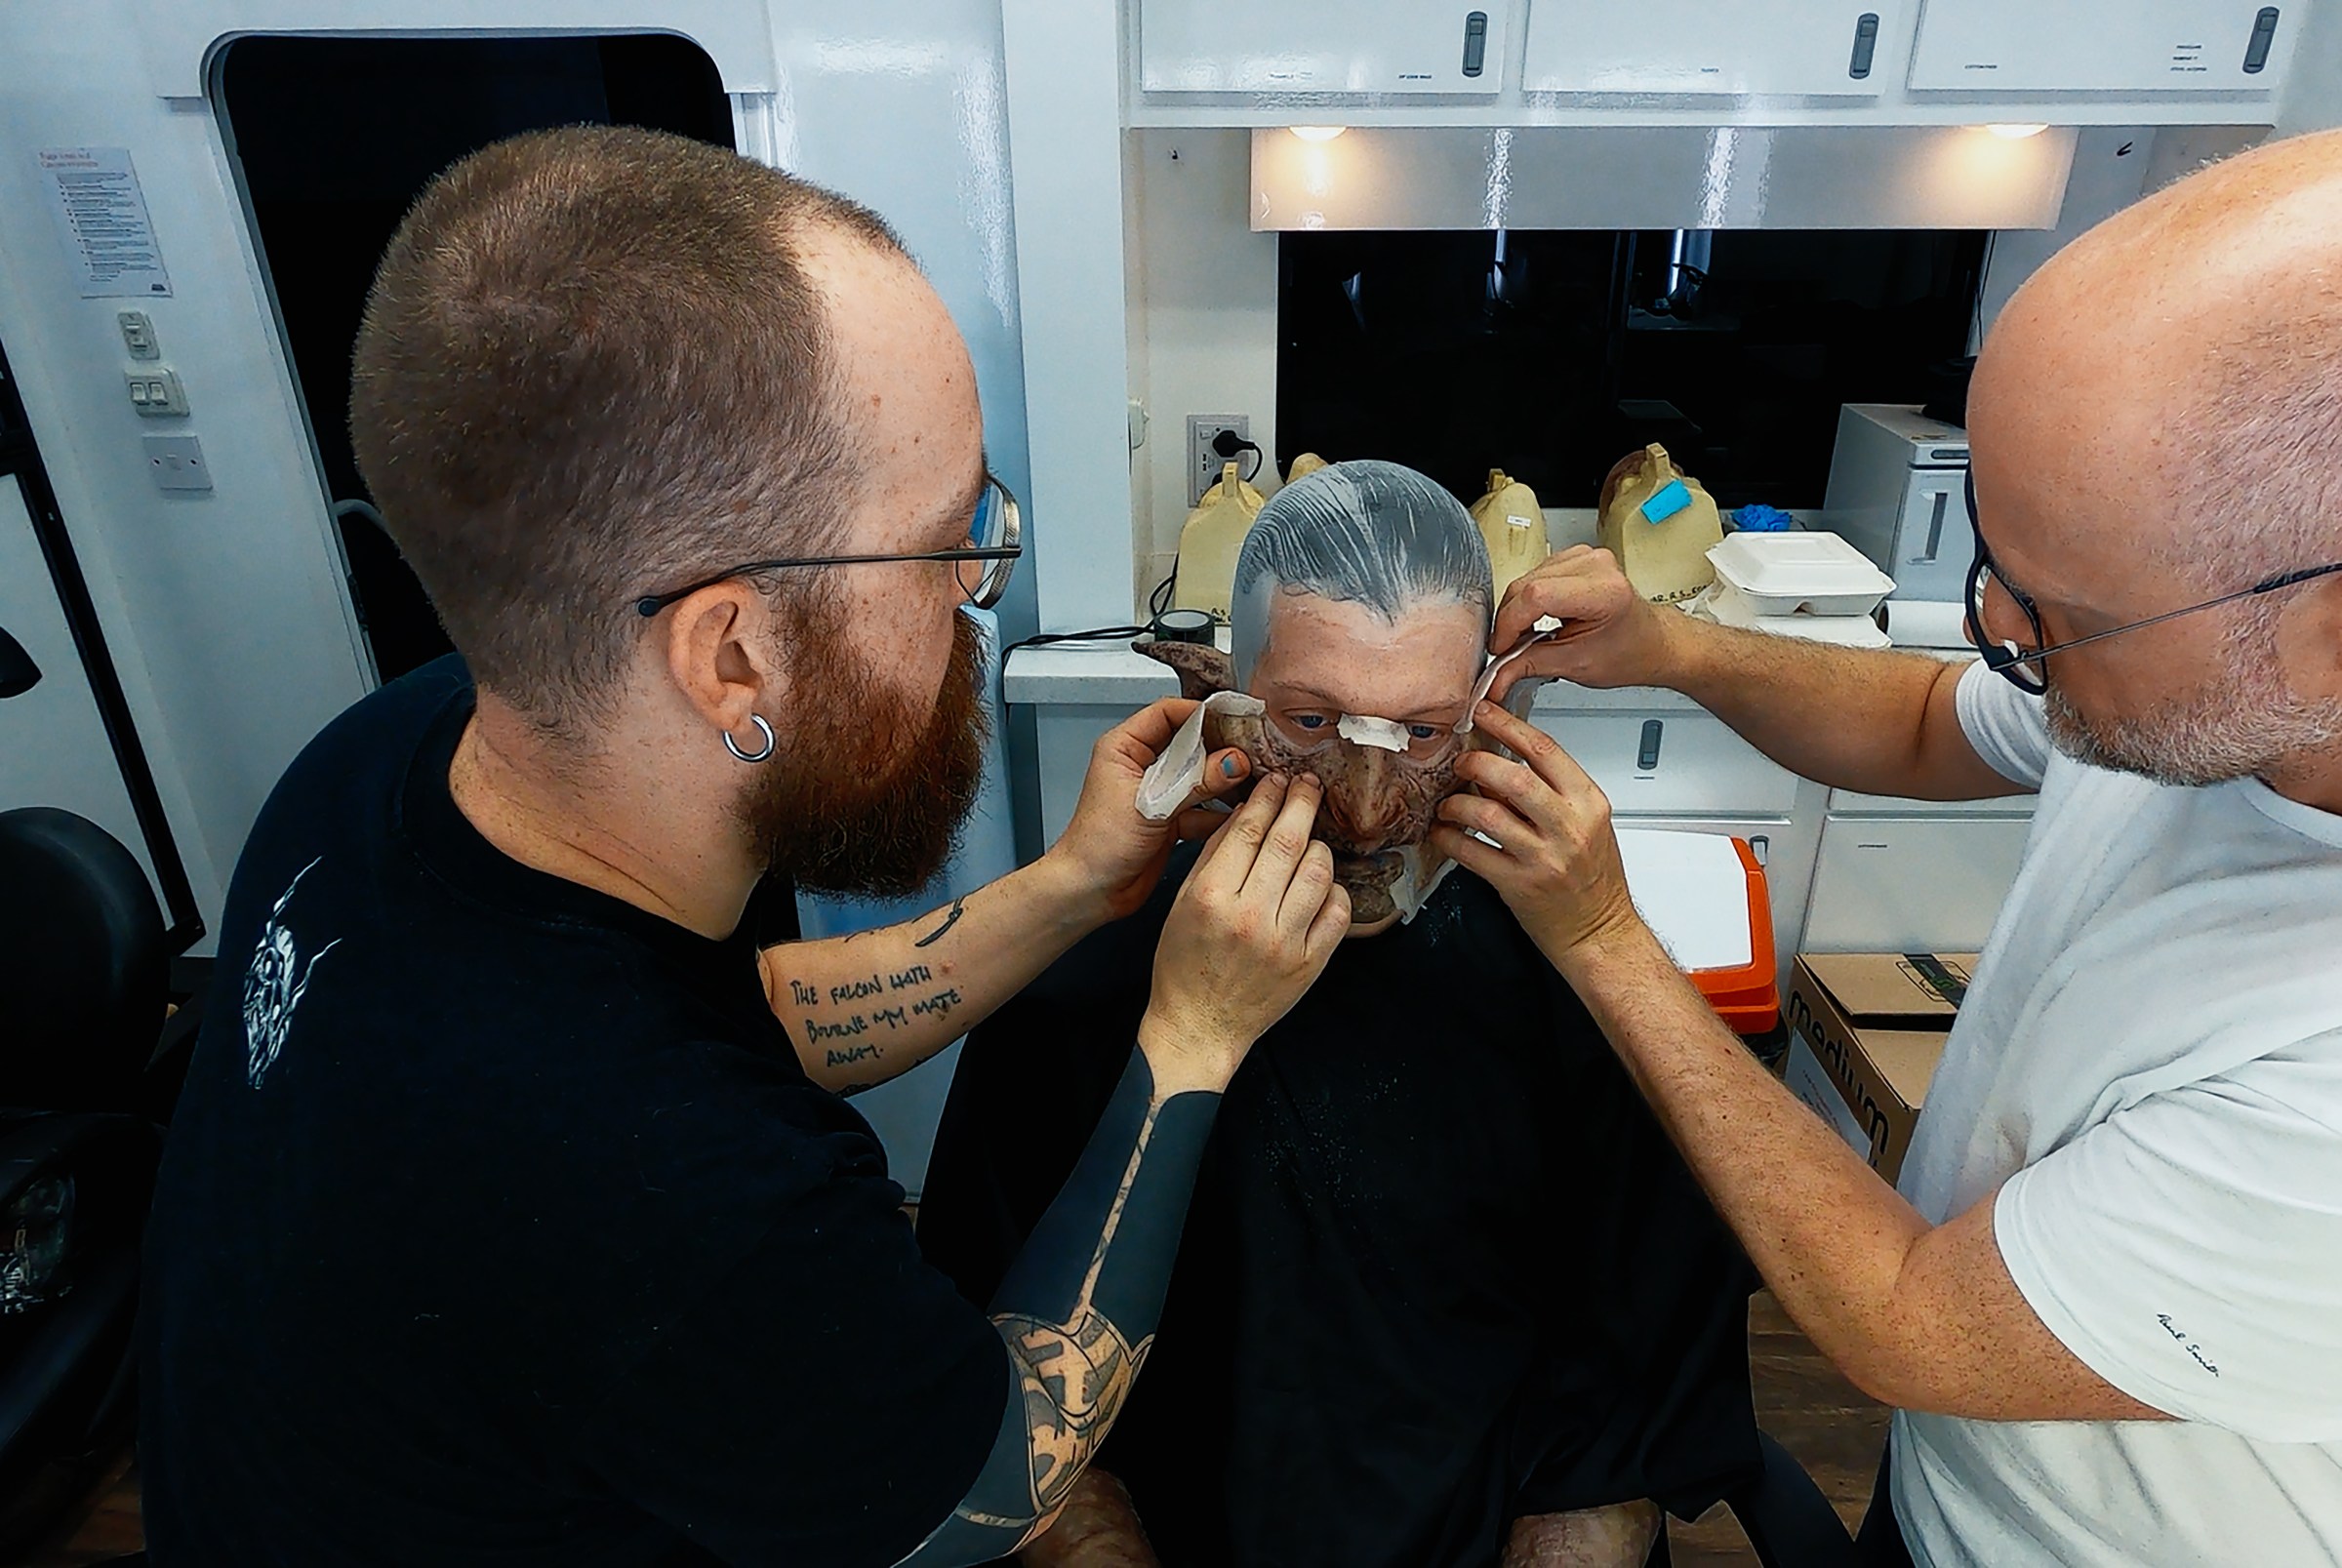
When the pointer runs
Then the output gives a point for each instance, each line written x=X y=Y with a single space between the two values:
x=1364 y=532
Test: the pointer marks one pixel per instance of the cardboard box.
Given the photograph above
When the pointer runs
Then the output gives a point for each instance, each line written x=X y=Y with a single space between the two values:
x=1866 y=1032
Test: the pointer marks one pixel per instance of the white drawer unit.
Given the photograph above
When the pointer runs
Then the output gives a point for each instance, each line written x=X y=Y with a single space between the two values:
x=2141 y=46
x=1695 y=48
x=1854 y=803
x=1064 y=736
x=1911 y=884
x=1384 y=48
x=1682 y=762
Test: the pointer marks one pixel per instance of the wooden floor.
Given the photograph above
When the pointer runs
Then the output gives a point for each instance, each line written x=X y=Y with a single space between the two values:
x=1834 y=1430
x=104 y=1526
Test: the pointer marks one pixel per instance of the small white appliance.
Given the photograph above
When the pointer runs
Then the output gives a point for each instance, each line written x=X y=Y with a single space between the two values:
x=1897 y=483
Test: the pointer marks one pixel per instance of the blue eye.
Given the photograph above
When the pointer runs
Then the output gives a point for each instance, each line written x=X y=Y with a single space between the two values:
x=1424 y=732
x=1308 y=721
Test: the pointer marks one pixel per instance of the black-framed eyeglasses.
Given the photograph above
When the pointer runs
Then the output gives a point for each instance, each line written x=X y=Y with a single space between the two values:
x=996 y=539
x=2022 y=667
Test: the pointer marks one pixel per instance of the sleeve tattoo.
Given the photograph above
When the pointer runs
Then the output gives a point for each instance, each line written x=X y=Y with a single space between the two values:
x=1077 y=1313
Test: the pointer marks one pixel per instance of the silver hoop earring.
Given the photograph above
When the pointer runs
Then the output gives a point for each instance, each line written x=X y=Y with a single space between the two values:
x=762 y=729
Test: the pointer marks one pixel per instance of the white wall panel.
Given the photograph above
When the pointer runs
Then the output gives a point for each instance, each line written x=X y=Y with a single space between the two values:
x=1064 y=118
x=903 y=105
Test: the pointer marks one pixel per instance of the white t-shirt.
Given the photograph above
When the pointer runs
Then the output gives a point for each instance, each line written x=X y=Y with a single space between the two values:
x=2148 y=1067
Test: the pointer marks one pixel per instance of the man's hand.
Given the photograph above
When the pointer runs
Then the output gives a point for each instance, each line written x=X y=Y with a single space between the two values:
x=1251 y=930
x=1556 y=860
x=1110 y=852
x=1610 y=635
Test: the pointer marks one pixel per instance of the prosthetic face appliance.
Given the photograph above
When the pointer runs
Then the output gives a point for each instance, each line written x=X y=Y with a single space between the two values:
x=1384 y=778
x=1377 y=711
x=1360 y=616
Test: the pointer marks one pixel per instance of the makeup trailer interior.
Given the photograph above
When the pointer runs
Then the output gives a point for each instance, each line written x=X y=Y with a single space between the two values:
x=1506 y=242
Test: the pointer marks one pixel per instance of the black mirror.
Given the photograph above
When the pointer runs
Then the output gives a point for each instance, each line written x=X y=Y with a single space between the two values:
x=18 y=674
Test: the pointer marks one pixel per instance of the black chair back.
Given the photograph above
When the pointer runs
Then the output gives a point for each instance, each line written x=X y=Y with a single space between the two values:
x=83 y=975
x=83 y=964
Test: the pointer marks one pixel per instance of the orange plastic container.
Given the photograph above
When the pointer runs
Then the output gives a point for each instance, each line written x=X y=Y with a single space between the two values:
x=1747 y=998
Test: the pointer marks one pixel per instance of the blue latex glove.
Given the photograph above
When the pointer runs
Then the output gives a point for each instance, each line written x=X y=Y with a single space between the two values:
x=1758 y=518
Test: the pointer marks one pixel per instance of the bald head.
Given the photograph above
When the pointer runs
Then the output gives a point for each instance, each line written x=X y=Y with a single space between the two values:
x=2168 y=378
x=2154 y=426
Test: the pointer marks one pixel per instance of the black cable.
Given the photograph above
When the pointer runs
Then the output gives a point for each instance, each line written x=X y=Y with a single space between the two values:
x=1095 y=634
x=1159 y=604
x=1226 y=444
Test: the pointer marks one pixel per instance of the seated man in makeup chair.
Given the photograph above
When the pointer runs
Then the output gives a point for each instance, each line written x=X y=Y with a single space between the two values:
x=1447 y=1295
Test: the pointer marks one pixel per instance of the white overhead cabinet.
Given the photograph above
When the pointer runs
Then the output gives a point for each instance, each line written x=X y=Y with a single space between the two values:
x=2138 y=46
x=1385 y=47
x=1697 y=48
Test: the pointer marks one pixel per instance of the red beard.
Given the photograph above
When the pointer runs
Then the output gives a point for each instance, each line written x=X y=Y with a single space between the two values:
x=870 y=787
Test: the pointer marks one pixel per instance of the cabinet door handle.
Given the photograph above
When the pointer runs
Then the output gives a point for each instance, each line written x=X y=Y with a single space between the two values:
x=2264 y=33
x=1866 y=45
x=1476 y=41
x=1647 y=759
x=1760 y=845
x=1935 y=529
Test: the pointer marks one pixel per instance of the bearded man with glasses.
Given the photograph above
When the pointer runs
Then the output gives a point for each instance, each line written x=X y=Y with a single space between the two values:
x=2107 y=1297
x=514 y=1212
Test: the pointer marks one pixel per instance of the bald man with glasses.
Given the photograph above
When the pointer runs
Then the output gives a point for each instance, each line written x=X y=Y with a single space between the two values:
x=2106 y=1299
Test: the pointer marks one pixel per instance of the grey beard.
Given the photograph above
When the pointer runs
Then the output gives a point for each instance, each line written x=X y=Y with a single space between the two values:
x=2249 y=726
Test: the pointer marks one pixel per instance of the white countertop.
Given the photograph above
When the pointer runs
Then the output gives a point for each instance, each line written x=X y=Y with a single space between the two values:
x=1111 y=674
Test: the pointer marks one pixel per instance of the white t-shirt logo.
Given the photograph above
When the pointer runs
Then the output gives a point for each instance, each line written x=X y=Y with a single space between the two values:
x=275 y=985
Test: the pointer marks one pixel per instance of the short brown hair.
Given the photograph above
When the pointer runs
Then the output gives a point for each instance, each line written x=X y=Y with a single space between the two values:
x=591 y=368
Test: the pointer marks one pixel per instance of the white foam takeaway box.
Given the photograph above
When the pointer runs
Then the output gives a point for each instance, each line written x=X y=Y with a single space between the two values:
x=1728 y=606
x=1799 y=573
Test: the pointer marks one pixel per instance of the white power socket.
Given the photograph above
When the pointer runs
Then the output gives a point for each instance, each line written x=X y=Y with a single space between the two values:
x=177 y=464
x=1203 y=464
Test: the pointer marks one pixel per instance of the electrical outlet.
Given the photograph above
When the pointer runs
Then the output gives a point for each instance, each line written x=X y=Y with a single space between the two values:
x=1204 y=463
x=177 y=464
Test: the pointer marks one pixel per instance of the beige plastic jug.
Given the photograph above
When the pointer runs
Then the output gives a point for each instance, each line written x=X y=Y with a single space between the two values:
x=1659 y=524
x=1308 y=463
x=1514 y=527
x=1209 y=542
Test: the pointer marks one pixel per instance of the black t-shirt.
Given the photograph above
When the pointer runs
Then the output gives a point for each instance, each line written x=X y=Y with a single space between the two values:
x=499 y=1224
x=1443 y=1269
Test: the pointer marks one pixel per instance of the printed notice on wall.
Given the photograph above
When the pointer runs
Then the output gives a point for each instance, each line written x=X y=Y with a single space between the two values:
x=102 y=217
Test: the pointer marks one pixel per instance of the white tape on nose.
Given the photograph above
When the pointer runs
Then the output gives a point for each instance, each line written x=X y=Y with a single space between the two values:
x=1387 y=735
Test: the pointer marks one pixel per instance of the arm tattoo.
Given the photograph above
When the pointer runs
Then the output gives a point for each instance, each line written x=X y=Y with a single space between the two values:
x=1078 y=1310
x=937 y=934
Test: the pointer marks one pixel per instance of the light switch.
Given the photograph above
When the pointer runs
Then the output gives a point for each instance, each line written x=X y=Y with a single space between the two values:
x=177 y=463
x=155 y=392
x=137 y=335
